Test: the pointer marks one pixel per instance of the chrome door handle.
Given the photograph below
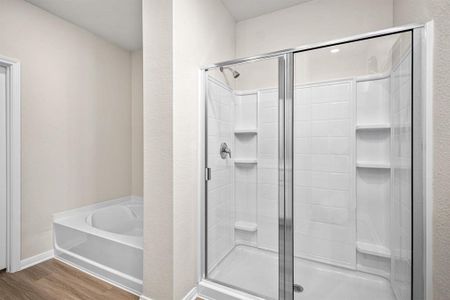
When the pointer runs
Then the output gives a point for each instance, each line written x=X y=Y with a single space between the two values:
x=224 y=151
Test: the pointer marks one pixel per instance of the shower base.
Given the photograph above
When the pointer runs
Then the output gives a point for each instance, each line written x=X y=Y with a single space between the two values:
x=256 y=271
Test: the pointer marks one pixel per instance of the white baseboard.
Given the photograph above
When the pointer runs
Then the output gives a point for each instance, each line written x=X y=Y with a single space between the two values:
x=34 y=260
x=191 y=295
x=142 y=297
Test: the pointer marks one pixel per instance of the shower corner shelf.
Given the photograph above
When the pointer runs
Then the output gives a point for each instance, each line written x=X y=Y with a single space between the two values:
x=246 y=131
x=246 y=226
x=372 y=165
x=379 y=126
x=372 y=249
x=245 y=161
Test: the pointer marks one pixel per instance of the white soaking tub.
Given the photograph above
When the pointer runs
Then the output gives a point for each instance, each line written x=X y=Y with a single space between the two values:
x=105 y=240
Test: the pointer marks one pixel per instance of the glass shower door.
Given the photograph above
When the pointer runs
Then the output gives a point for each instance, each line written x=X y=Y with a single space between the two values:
x=242 y=187
x=309 y=172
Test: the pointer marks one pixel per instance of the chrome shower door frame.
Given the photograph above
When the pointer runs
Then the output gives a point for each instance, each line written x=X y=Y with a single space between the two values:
x=285 y=176
x=421 y=151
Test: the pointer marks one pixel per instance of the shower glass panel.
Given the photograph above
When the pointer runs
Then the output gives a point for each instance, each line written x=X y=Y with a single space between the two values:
x=242 y=188
x=352 y=170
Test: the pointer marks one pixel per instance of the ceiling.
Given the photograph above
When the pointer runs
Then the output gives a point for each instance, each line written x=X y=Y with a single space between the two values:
x=118 y=21
x=246 y=9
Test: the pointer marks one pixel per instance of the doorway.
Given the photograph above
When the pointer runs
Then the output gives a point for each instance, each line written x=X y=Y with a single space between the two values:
x=10 y=164
x=3 y=206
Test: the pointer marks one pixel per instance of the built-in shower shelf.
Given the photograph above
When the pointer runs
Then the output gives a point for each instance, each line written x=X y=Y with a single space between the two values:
x=246 y=131
x=372 y=249
x=372 y=165
x=245 y=161
x=380 y=126
x=246 y=226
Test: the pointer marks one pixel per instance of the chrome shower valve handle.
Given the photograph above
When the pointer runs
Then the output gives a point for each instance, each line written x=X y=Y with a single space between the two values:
x=224 y=151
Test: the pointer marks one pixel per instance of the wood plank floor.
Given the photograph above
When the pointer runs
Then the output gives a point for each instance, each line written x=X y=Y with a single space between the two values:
x=53 y=280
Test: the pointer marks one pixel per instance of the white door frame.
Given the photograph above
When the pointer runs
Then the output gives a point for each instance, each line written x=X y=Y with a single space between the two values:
x=13 y=161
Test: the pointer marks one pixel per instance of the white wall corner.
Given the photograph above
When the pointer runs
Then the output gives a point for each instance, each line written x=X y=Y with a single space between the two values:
x=34 y=260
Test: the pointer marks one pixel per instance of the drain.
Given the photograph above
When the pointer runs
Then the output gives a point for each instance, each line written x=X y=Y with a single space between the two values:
x=298 y=288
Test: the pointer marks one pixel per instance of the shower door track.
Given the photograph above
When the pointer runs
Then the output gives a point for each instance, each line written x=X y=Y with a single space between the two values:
x=420 y=269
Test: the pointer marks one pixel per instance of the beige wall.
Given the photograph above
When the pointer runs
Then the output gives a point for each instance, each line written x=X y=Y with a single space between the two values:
x=416 y=11
x=412 y=11
x=158 y=150
x=202 y=32
x=76 y=117
x=137 y=147
x=311 y=22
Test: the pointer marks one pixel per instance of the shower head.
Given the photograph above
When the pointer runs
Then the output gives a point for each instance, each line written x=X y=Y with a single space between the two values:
x=235 y=73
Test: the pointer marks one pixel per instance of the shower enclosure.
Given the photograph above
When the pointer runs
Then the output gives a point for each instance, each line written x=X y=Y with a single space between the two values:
x=313 y=172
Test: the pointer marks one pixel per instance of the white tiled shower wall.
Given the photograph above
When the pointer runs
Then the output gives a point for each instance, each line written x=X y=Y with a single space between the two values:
x=220 y=205
x=324 y=203
x=267 y=208
x=325 y=225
